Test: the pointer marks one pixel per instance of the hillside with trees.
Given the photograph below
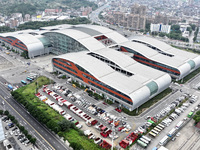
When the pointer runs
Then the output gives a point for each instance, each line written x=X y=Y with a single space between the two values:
x=32 y=6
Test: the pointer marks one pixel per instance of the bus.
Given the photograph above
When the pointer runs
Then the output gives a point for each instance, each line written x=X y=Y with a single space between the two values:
x=190 y=114
x=142 y=144
x=160 y=125
x=155 y=128
x=180 y=124
x=152 y=134
x=156 y=132
x=164 y=140
x=29 y=79
x=23 y=82
x=143 y=140
x=172 y=132
x=146 y=138
x=159 y=128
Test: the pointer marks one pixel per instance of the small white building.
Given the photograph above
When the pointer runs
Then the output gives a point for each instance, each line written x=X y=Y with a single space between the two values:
x=160 y=28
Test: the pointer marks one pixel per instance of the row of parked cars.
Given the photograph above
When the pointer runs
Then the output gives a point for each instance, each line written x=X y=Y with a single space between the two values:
x=97 y=140
x=14 y=131
x=165 y=111
x=57 y=107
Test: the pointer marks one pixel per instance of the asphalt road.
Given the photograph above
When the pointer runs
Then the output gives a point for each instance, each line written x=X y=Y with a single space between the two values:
x=45 y=138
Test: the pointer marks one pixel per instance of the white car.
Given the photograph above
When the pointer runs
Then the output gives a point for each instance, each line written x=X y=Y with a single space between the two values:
x=79 y=126
x=11 y=133
x=97 y=140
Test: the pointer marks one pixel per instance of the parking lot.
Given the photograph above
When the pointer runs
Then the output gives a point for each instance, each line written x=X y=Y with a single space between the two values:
x=15 y=75
x=187 y=139
x=16 y=139
x=96 y=109
x=173 y=123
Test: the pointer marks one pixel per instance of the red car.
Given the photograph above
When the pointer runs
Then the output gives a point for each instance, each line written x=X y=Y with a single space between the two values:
x=120 y=128
x=118 y=110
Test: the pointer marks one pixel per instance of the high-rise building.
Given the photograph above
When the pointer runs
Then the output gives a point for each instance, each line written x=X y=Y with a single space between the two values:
x=27 y=17
x=137 y=18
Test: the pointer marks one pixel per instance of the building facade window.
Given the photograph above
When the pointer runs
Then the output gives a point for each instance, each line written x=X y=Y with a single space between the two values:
x=62 y=44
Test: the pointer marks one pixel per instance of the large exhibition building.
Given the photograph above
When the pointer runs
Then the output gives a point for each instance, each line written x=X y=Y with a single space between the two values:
x=107 y=62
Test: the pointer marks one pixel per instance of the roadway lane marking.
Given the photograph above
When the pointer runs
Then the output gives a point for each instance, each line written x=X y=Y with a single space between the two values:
x=30 y=125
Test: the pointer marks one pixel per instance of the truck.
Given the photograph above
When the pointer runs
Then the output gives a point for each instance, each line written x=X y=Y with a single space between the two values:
x=91 y=122
x=142 y=144
x=124 y=143
x=10 y=87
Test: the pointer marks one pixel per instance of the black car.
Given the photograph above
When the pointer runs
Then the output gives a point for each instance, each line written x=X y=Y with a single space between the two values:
x=5 y=118
x=12 y=125
x=14 y=129
x=20 y=137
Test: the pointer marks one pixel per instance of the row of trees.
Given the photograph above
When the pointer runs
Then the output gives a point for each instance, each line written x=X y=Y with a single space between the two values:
x=43 y=116
x=196 y=117
x=175 y=33
x=21 y=128
x=6 y=29
x=38 y=24
x=195 y=35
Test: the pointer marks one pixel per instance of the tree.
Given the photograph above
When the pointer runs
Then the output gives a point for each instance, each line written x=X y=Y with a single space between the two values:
x=61 y=134
x=6 y=112
x=29 y=136
x=162 y=34
x=76 y=146
x=12 y=118
x=21 y=128
x=33 y=140
x=53 y=126
x=154 y=33
x=193 y=26
x=65 y=125
x=25 y=132
x=196 y=117
x=15 y=121
x=147 y=27
x=1 y=112
x=175 y=27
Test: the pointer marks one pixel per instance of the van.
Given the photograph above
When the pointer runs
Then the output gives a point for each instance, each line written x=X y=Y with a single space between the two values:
x=181 y=109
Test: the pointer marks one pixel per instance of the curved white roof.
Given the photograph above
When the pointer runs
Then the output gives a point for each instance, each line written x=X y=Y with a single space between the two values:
x=34 y=45
x=152 y=41
x=115 y=36
x=129 y=85
x=179 y=60
x=85 y=39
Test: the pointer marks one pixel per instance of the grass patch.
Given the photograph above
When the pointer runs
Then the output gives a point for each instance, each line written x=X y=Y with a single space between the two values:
x=26 y=94
x=73 y=136
x=148 y=104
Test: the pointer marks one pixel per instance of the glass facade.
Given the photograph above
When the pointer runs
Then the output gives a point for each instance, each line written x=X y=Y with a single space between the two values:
x=192 y=64
x=153 y=87
x=142 y=59
x=63 y=44
x=80 y=73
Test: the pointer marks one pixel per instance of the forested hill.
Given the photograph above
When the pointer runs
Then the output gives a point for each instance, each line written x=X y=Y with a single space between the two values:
x=31 y=6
